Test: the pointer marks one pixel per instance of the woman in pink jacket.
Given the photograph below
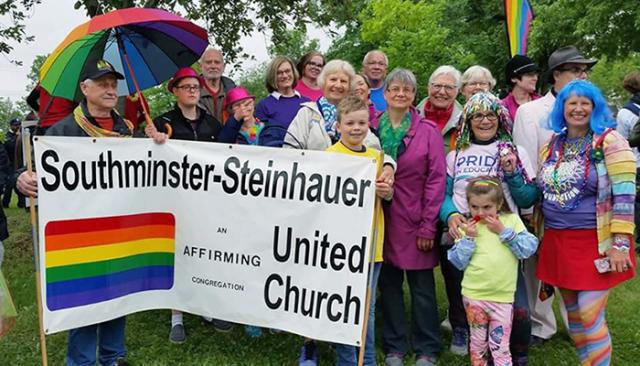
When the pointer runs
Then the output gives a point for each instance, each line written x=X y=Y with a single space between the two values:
x=416 y=145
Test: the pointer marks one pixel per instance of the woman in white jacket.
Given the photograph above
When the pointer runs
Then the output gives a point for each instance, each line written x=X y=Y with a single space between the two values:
x=313 y=128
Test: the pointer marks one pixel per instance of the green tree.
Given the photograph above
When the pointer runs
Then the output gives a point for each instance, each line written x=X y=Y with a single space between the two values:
x=350 y=47
x=228 y=21
x=609 y=74
x=253 y=80
x=294 y=44
x=8 y=111
x=409 y=33
x=34 y=71
x=159 y=99
x=596 y=27
x=13 y=30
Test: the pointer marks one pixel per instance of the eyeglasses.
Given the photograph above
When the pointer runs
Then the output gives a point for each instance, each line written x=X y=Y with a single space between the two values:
x=397 y=90
x=311 y=63
x=285 y=72
x=478 y=117
x=447 y=88
x=483 y=84
x=190 y=88
x=576 y=70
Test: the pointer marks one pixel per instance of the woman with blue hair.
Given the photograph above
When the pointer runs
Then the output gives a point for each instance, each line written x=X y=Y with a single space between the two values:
x=587 y=177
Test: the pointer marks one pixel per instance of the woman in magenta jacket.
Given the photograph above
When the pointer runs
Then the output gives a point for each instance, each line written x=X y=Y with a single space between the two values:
x=416 y=145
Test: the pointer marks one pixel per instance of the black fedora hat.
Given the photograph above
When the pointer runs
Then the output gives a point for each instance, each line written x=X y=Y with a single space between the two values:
x=520 y=65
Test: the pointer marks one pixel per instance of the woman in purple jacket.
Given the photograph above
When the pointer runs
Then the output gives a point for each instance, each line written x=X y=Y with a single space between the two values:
x=417 y=146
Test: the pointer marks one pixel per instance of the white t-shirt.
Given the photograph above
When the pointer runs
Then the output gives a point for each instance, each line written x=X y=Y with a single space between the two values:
x=476 y=161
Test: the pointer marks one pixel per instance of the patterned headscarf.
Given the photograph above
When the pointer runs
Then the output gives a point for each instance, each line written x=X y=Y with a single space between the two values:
x=487 y=102
x=483 y=102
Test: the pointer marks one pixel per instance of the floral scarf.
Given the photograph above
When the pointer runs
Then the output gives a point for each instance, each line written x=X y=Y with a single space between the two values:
x=329 y=114
x=390 y=137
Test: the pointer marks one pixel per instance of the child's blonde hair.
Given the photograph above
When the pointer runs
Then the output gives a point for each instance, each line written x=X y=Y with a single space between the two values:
x=350 y=104
x=490 y=186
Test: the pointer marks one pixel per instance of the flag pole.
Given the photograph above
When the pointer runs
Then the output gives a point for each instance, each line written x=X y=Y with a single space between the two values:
x=372 y=263
x=36 y=253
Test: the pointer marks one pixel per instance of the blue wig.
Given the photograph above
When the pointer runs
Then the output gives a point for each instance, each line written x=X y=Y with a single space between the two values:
x=601 y=117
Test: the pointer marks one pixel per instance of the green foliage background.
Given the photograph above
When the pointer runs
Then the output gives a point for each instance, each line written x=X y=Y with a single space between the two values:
x=418 y=35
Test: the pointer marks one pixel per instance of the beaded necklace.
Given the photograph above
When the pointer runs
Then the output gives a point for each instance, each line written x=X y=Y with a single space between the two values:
x=579 y=149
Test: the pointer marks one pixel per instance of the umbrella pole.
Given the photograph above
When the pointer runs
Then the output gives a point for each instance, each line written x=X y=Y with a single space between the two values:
x=147 y=117
x=36 y=255
x=372 y=263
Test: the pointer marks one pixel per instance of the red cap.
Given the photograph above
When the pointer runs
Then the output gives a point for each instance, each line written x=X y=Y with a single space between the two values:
x=185 y=72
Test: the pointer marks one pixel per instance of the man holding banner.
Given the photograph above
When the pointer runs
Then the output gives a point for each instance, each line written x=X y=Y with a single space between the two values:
x=93 y=117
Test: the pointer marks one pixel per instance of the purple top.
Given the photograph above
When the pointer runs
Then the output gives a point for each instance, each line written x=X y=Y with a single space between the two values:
x=573 y=191
x=278 y=109
x=419 y=187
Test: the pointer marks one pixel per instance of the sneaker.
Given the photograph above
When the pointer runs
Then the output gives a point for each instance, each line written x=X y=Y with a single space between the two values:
x=177 y=334
x=220 y=325
x=394 y=359
x=446 y=325
x=460 y=342
x=253 y=331
x=425 y=361
x=308 y=354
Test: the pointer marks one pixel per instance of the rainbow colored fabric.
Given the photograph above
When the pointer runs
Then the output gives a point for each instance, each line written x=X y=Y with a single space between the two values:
x=519 y=15
x=99 y=259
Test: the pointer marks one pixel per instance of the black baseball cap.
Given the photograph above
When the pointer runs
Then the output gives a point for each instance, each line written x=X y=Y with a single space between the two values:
x=15 y=122
x=96 y=69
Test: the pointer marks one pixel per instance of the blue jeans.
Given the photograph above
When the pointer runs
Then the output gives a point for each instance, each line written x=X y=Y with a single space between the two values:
x=348 y=355
x=107 y=336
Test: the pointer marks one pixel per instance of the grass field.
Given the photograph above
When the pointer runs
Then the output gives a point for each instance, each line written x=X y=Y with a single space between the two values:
x=147 y=332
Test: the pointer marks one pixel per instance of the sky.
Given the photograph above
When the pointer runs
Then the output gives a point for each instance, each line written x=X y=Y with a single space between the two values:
x=52 y=20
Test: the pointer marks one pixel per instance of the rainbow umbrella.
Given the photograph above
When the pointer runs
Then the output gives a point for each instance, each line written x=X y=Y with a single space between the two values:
x=146 y=45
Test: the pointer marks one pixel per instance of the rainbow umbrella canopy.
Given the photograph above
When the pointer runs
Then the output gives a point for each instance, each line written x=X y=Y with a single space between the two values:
x=146 y=45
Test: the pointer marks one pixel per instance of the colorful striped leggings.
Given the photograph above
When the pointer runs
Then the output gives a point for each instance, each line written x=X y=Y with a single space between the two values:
x=588 y=326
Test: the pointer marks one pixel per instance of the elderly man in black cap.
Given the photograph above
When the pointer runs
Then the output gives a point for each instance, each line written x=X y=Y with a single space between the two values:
x=93 y=117
x=531 y=132
x=522 y=77
x=10 y=143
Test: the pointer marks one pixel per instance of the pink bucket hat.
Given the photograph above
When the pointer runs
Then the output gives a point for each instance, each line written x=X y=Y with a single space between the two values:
x=235 y=95
x=185 y=72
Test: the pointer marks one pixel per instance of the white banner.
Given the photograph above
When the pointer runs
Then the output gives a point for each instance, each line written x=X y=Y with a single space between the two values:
x=270 y=237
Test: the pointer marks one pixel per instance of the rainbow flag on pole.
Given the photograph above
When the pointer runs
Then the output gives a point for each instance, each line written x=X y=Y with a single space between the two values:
x=93 y=260
x=519 y=15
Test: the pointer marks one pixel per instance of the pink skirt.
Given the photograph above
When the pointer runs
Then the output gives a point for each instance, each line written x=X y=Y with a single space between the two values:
x=565 y=260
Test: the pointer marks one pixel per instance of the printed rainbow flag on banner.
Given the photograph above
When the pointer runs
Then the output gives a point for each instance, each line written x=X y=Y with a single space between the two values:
x=98 y=259
x=519 y=15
